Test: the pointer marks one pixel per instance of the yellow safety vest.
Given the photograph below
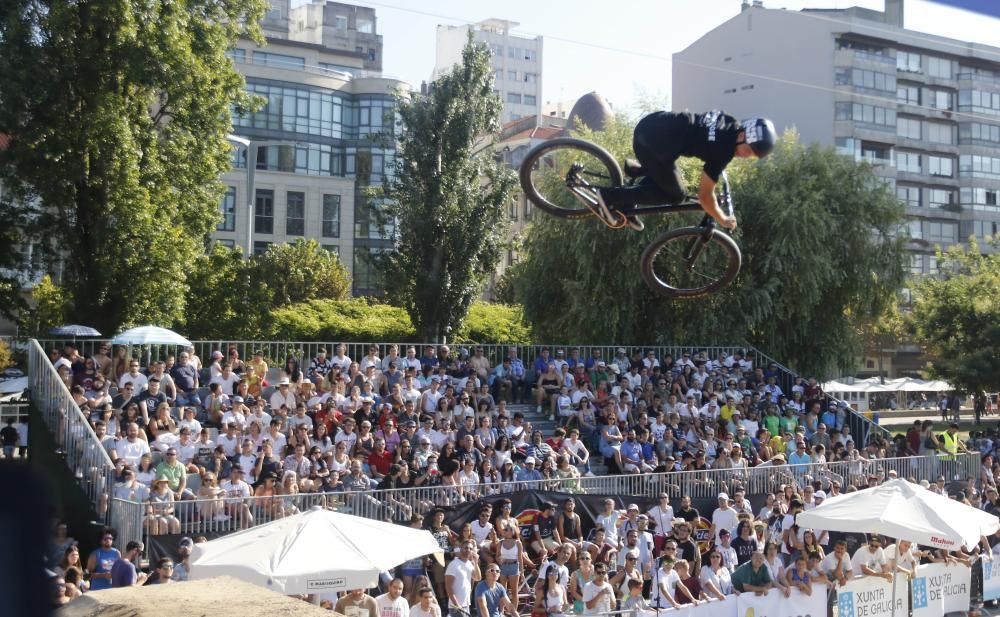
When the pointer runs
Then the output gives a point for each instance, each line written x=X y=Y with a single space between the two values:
x=950 y=446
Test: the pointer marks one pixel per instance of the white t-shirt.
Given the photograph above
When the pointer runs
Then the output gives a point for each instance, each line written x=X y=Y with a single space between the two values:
x=131 y=451
x=392 y=608
x=721 y=579
x=864 y=557
x=481 y=532
x=662 y=517
x=591 y=591
x=666 y=578
x=907 y=560
x=461 y=571
x=724 y=519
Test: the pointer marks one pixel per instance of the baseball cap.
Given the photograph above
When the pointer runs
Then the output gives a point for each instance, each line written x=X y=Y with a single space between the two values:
x=185 y=543
x=724 y=496
x=819 y=495
x=530 y=460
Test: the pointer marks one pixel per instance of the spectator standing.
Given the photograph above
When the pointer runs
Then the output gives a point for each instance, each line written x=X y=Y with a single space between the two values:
x=101 y=561
x=458 y=578
x=9 y=437
x=392 y=603
x=491 y=597
x=598 y=594
x=357 y=603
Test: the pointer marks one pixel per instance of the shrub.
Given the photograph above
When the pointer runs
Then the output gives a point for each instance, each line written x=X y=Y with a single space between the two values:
x=355 y=319
x=494 y=323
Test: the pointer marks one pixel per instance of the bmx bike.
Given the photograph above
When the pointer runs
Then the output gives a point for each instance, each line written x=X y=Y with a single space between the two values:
x=561 y=176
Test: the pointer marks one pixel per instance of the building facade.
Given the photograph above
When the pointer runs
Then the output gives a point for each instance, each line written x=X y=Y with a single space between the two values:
x=324 y=136
x=923 y=109
x=517 y=63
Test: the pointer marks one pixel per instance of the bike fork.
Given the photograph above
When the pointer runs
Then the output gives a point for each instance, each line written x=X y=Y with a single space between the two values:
x=698 y=244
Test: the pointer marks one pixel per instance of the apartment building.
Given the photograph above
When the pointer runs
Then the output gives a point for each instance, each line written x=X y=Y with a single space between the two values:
x=325 y=134
x=517 y=63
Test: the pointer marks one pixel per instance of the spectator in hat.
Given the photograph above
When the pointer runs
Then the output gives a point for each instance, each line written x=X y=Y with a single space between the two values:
x=529 y=472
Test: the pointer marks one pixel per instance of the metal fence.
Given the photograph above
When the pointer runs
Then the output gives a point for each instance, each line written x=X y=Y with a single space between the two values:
x=224 y=515
x=83 y=453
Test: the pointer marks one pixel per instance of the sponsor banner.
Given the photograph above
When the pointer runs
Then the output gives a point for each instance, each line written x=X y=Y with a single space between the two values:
x=940 y=588
x=871 y=596
x=775 y=604
x=713 y=608
x=991 y=577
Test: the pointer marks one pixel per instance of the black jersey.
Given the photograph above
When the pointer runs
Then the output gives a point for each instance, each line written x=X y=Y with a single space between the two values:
x=710 y=136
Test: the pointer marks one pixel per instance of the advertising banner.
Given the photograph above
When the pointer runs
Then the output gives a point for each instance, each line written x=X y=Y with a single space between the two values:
x=991 y=577
x=714 y=608
x=871 y=596
x=940 y=588
x=775 y=604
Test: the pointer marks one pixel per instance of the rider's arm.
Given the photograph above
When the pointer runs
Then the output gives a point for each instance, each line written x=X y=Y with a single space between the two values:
x=706 y=197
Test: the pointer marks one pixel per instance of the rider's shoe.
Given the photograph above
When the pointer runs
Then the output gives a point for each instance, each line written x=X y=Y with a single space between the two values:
x=634 y=223
x=595 y=203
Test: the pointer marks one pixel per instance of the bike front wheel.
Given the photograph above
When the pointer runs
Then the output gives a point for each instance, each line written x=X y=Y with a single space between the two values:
x=691 y=262
x=555 y=173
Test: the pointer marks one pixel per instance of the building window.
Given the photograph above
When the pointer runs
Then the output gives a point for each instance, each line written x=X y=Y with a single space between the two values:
x=331 y=216
x=908 y=162
x=531 y=55
x=983 y=229
x=365 y=25
x=908 y=128
x=279 y=61
x=514 y=97
x=869 y=80
x=868 y=114
x=940 y=166
x=228 y=208
x=529 y=99
x=236 y=54
x=496 y=49
x=941 y=99
x=530 y=78
x=229 y=244
x=908 y=62
x=260 y=247
x=986 y=200
x=975 y=132
x=938 y=67
x=935 y=231
x=908 y=95
x=340 y=22
x=332 y=248
x=916 y=264
x=939 y=133
x=514 y=53
x=512 y=75
x=976 y=166
x=940 y=198
x=498 y=75
x=979 y=101
x=916 y=230
x=295 y=213
x=301 y=109
x=263 y=212
x=909 y=195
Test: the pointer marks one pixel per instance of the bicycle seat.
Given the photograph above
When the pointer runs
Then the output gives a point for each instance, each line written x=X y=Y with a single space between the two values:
x=632 y=168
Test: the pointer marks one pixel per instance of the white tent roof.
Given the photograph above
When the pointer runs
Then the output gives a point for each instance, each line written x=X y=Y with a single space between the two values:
x=874 y=384
x=150 y=335
x=317 y=550
x=903 y=510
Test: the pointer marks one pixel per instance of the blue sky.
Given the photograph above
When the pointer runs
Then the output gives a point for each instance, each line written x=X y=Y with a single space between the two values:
x=623 y=49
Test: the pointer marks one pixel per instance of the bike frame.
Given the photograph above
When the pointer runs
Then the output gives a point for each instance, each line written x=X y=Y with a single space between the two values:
x=689 y=205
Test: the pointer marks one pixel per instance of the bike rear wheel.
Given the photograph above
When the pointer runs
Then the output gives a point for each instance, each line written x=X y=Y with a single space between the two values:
x=690 y=262
x=553 y=171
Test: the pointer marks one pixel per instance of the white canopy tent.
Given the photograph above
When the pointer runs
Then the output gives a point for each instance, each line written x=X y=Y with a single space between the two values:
x=859 y=391
x=150 y=335
x=311 y=552
x=903 y=510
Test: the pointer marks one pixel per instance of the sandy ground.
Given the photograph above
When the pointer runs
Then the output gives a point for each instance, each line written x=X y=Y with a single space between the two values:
x=217 y=597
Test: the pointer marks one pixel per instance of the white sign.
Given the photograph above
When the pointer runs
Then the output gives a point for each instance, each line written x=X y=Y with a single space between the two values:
x=713 y=608
x=939 y=588
x=991 y=577
x=775 y=604
x=871 y=596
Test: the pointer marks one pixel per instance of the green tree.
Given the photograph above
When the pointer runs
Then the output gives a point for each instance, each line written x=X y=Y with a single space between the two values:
x=356 y=319
x=11 y=261
x=819 y=249
x=50 y=306
x=223 y=302
x=957 y=317
x=447 y=197
x=117 y=112
x=301 y=271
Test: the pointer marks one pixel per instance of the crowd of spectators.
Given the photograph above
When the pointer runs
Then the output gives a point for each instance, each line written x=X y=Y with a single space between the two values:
x=221 y=430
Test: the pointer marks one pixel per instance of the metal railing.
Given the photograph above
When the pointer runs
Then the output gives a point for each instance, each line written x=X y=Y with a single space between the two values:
x=222 y=515
x=83 y=453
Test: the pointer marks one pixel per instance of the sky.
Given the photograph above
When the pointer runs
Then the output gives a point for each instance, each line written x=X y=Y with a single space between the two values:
x=620 y=50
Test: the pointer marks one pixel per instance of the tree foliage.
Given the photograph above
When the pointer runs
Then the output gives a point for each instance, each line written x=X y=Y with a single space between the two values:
x=447 y=197
x=816 y=232
x=223 y=302
x=957 y=316
x=357 y=319
x=301 y=271
x=50 y=304
x=117 y=113
x=494 y=323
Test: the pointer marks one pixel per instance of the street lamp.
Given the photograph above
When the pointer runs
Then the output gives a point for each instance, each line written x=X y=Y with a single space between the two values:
x=251 y=150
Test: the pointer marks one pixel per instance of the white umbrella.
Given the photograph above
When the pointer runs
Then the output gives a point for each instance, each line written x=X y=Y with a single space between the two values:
x=905 y=511
x=314 y=551
x=150 y=335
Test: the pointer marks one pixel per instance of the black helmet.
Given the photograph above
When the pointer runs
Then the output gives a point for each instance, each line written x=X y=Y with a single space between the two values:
x=760 y=135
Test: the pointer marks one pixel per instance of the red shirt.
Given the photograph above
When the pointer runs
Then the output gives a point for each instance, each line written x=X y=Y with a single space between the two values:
x=380 y=462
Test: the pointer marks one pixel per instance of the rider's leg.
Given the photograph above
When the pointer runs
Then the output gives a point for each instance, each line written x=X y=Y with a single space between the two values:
x=661 y=183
